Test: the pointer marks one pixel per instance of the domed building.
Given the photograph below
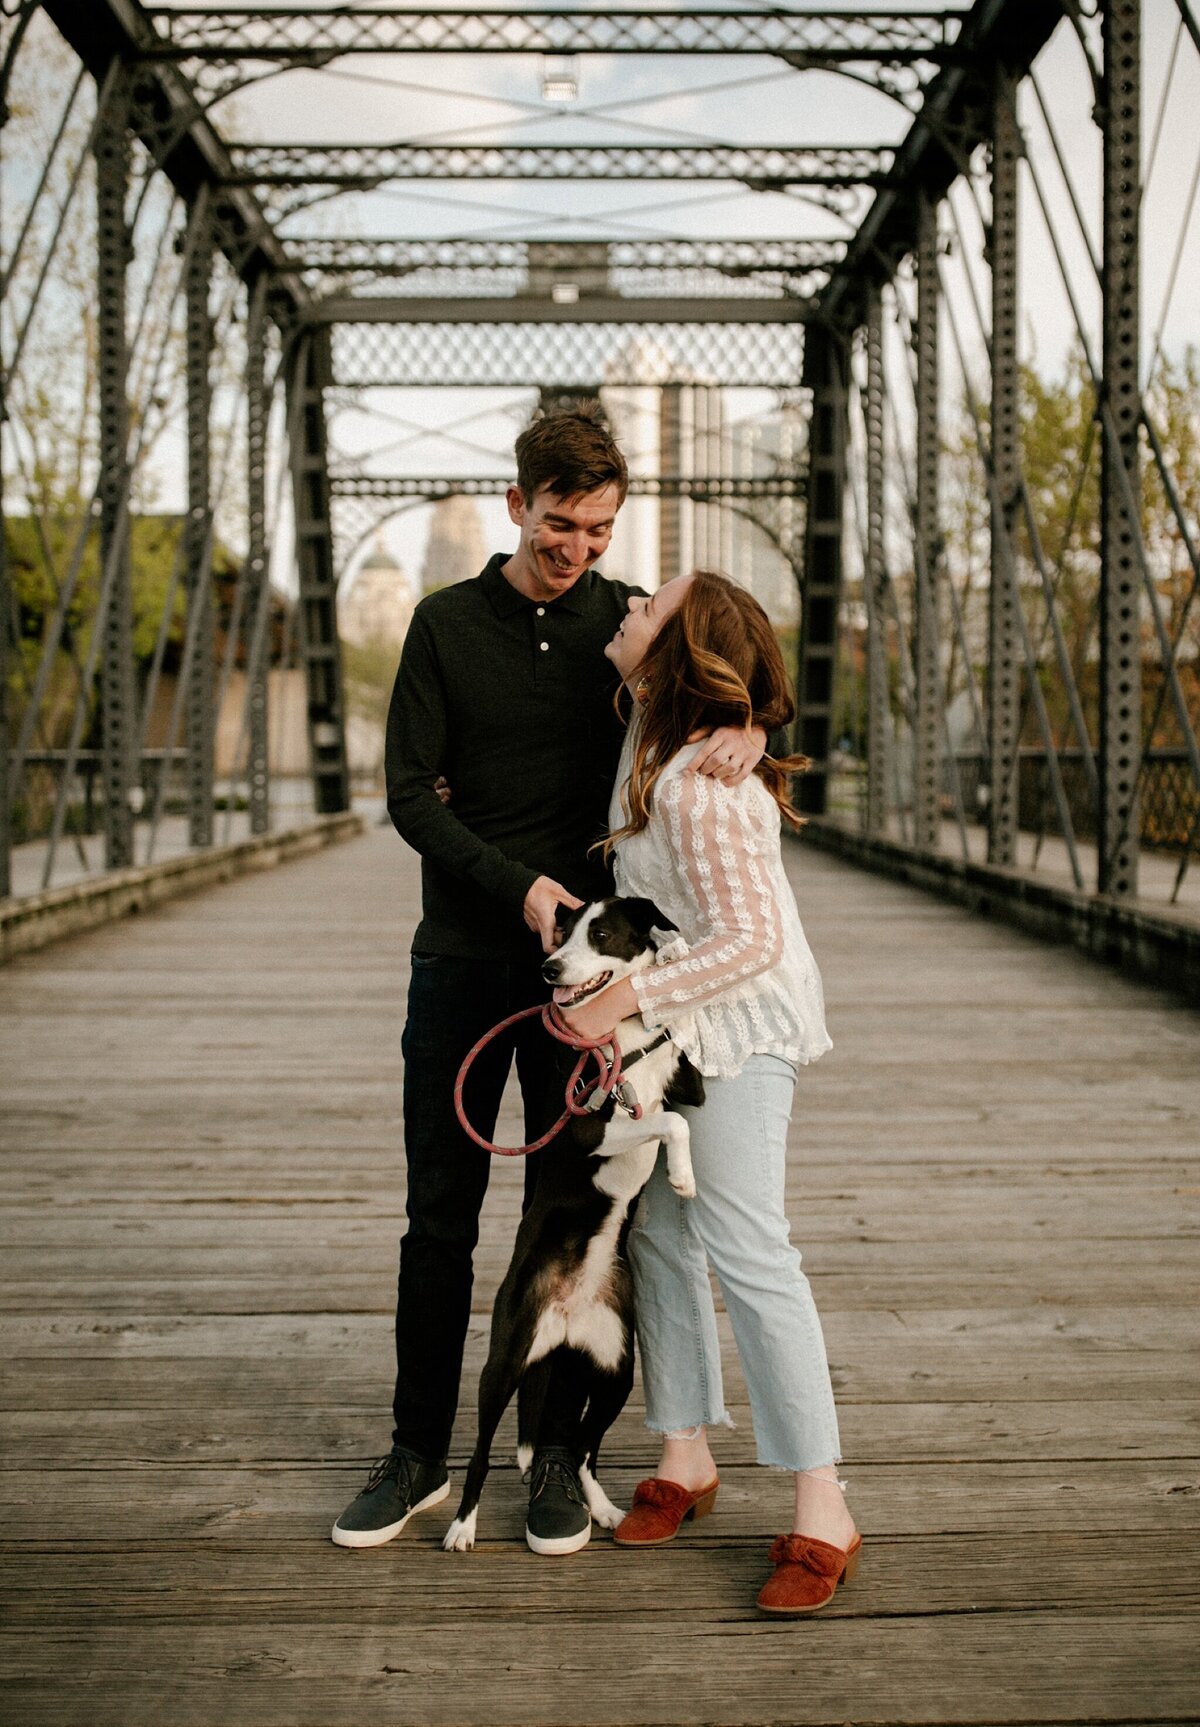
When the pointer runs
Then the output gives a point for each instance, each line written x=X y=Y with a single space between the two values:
x=378 y=606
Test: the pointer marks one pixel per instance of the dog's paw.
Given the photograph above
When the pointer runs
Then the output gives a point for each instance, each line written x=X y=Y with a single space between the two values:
x=460 y=1537
x=684 y=1184
x=603 y=1511
x=606 y=1514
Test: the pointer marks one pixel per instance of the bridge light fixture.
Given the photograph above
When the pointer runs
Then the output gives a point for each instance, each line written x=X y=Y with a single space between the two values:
x=560 y=78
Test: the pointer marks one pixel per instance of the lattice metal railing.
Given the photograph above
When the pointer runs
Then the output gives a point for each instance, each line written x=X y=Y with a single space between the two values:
x=297 y=35
x=568 y=356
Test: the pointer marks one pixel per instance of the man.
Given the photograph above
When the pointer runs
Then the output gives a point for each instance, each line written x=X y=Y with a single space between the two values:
x=503 y=691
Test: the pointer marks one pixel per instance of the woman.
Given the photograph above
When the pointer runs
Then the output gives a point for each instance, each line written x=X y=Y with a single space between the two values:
x=745 y=1002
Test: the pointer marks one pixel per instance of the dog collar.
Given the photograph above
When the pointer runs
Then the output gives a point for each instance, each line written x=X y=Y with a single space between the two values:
x=647 y=1049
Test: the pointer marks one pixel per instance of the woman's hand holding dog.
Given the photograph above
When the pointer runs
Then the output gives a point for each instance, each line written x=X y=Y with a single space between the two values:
x=596 y=1017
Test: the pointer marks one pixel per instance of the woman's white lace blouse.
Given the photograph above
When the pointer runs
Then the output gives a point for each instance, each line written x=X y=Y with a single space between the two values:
x=710 y=859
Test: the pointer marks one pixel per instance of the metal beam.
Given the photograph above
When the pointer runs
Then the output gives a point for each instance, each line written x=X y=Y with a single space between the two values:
x=168 y=120
x=588 y=309
x=763 y=167
x=1120 y=529
x=309 y=376
x=311 y=36
x=826 y=371
x=1004 y=643
x=566 y=356
x=118 y=709
x=875 y=574
x=670 y=461
x=927 y=819
x=200 y=666
x=257 y=586
x=382 y=256
x=704 y=488
x=954 y=120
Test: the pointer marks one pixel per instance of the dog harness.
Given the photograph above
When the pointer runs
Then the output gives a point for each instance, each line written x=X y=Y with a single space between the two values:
x=583 y=1096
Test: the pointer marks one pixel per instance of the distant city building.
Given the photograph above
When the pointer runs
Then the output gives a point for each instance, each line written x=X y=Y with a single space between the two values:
x=378 y=606
x=456 y=550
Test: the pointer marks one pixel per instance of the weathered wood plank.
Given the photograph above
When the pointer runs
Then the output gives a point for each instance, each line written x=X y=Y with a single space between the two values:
x=67 y=1585
x=952 y=1669
x=291 y=1502
x=190 y=1429
x=993 y=1177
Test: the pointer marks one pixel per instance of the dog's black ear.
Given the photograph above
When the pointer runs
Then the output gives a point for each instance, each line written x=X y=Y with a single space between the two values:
x=566 y=917
x=644 y=915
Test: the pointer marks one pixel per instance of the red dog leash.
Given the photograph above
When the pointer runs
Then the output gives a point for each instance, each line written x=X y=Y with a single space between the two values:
x=605 y=1052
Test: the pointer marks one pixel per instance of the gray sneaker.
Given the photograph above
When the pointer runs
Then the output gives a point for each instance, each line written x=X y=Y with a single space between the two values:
x=559 y=1520
x=398 y=1487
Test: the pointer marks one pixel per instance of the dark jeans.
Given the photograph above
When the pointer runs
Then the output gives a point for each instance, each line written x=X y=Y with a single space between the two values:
x=451 y=1003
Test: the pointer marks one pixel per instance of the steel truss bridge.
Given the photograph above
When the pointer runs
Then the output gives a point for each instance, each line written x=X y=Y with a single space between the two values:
x=905 y=295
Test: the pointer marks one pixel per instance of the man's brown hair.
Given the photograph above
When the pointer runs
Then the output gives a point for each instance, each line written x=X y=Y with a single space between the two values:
x=571 y=451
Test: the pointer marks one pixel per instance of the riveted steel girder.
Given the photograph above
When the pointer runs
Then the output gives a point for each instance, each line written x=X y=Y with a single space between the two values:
x=363 y=166
x=1120 y=529
x=588 y=309
x=670 y=460
x=955 y=118
x=392 y=257
x=310 y=36
x=118 y=709
x=928 y=543
x=308 y=378
x=1004 y=638
x=257 y=584
x=200 y=653
x=170 y=122
x=826 y=371
x=704 y=488
x=875 y=572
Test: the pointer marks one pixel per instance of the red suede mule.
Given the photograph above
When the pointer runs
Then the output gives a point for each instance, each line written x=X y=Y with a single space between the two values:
x=659 y=1507
x=807 y=1573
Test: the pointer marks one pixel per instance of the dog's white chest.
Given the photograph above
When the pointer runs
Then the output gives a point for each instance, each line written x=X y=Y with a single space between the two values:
x=582 y=1316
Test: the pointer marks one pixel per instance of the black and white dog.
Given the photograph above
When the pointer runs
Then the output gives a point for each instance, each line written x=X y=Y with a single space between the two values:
x=569 y=1282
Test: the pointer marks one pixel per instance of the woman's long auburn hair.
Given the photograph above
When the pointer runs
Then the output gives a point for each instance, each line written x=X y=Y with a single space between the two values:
x=713 y=662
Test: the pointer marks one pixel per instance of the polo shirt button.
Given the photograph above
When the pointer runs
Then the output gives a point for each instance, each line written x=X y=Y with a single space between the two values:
x=541 y=611
x=543 y=646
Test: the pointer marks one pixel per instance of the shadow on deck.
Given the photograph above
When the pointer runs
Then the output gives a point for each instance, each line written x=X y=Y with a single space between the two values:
x=993 y=1181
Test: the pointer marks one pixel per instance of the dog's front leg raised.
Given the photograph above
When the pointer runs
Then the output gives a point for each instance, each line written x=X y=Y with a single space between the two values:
x=672 y=1129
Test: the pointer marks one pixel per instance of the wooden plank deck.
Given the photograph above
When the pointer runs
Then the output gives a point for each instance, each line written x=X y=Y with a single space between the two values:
x=996 y=1188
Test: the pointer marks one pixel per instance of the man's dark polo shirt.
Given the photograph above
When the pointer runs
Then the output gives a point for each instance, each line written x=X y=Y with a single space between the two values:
x=511 y=699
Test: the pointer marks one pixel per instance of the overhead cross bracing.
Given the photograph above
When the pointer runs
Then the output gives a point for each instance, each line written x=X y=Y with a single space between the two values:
x=755 y=165
x=733 y=269
x=858 y=358
x=706 y=487
x=778 y=263
x=296 y=34
x=571 y=354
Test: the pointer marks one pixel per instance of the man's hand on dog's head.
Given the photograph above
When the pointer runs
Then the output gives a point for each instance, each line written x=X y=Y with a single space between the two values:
x=541 y=904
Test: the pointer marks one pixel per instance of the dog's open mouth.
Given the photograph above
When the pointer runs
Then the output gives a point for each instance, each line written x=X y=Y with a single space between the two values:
x=571 y=994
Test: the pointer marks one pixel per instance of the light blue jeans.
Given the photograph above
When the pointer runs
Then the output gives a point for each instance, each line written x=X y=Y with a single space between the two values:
x=736 y=1223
